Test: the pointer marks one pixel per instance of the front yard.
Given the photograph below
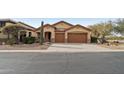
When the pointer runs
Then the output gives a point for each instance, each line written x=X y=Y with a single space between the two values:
x=119 y=46
x=34 y=46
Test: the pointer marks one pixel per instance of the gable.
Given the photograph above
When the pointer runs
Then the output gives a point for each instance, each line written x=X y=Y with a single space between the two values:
x=78 y=28
x=26 y=25
x=9 y=23
x=46 y=27
x=62 y=25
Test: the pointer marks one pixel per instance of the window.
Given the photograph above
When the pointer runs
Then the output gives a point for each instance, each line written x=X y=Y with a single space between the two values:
x=2 y=23
x=30 y=34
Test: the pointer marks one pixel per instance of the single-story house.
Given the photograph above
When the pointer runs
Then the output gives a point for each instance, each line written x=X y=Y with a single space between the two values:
x=64 y=32
x=30 y=31
x=60 y=32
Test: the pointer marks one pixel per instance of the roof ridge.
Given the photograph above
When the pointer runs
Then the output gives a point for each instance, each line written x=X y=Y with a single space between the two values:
x=61 y=22
x=77 y=25
x=45 y=25
x=26 y=24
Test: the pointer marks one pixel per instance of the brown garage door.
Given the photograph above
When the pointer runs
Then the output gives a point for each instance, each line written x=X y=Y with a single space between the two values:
x=77 y=37
x=59 y=37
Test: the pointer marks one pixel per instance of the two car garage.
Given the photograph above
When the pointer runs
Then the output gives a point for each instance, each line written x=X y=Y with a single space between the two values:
x=71 y=38
x=64 y=32
x=77 y=38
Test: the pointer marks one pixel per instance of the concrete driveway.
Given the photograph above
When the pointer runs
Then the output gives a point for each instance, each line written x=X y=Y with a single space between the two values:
x=76 y=47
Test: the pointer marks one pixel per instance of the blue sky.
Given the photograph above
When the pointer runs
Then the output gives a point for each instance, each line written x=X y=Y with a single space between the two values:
x=35 y=22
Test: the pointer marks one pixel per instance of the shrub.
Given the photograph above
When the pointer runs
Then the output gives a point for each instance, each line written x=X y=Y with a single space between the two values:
x=115 y=38
x=11 y=41
x=93 y=40
x=3 y=40
x=37 y=40
x=29 y=40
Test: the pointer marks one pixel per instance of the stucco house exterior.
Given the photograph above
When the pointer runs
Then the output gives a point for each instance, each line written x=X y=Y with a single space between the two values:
x=30 y=31
x=64 y=32
x=60 y=32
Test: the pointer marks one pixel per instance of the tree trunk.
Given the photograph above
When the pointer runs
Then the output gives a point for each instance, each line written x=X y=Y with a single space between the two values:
x=103 y=39
x=8 y=36
x=17 y=38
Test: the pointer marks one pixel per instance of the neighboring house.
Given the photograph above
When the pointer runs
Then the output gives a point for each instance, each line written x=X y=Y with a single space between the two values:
x=63 y=32
x=30 y=31
x=5 y=22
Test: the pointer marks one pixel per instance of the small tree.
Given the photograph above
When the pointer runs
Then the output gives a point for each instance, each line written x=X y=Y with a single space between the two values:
x=95 y=30
x=119 y=26
x=102 y=30
x=13 y=30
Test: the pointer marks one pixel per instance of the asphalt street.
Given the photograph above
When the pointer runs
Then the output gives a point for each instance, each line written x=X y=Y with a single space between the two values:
x=62 y=63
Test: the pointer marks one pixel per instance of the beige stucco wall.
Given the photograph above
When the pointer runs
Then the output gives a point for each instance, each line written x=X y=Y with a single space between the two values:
x=27 y=34
x=4 y=36
x=8 y=23
x=48 y=29
x=79 y=30
x=74 y=30
x=34 y=34
x=62 y=25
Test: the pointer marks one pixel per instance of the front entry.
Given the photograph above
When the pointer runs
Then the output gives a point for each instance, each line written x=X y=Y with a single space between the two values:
x=47 y=36
x=22 y=37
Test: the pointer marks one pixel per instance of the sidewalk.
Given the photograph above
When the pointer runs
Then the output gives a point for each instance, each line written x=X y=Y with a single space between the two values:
x=50 y=51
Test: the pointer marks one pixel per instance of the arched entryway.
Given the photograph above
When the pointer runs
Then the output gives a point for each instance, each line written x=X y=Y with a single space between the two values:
x=47 y=36
x=22 y=36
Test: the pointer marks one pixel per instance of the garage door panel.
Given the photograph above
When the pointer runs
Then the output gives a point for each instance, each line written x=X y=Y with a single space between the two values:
x=77 y=37
x=59 y=37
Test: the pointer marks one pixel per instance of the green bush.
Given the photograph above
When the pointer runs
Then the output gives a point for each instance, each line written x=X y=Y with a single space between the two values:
x=29 y=40
x=93 y=40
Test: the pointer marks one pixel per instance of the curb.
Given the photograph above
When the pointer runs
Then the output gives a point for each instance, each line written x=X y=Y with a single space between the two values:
x=50 y=51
